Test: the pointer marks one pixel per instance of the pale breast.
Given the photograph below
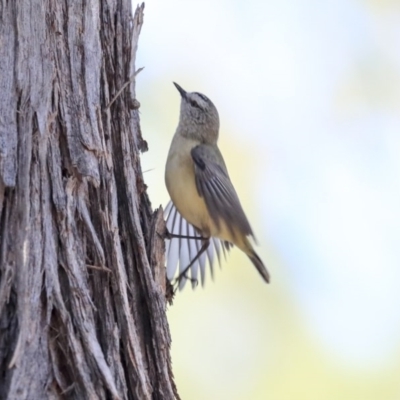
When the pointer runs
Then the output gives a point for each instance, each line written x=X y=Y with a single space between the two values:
x=181 y=185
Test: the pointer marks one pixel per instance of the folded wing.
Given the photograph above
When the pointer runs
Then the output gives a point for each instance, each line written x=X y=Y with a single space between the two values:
x=214 y=185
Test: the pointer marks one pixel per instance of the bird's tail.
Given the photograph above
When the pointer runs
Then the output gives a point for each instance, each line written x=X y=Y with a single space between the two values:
x=259 y=265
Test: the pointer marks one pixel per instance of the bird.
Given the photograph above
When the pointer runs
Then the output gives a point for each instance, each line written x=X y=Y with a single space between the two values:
x=205 y=213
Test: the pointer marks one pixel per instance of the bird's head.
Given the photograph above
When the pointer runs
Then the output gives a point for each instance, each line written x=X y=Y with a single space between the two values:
x=199 y=118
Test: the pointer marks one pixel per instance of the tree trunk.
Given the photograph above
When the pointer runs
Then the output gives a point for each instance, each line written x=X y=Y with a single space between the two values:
x=82 y=281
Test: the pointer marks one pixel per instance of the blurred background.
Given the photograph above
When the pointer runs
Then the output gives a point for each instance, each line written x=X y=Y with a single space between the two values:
x=309 y=99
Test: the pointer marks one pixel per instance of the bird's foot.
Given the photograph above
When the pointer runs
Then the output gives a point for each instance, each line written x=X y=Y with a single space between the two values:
x=168 y=235
x=183 y=275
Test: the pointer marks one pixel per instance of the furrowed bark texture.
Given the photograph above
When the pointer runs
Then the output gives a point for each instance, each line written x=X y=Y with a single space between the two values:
x=82 y=282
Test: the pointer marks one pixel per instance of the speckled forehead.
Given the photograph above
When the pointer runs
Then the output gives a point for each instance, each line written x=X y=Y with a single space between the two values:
x=202 y=96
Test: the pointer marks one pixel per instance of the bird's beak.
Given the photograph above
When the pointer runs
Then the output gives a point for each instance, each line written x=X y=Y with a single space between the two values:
x=180 y=90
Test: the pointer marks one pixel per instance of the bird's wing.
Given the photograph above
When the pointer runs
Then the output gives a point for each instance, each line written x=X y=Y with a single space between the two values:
x=180 y=252
x=214 y=185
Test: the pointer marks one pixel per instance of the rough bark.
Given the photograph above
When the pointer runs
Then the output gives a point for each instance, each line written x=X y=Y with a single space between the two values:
x=82 y=282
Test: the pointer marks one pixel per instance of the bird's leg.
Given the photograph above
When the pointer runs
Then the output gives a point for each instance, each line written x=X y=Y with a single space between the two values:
x=183 y=274
x=169 y=235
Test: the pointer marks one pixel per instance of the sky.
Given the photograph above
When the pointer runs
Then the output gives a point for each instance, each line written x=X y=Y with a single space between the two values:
x=308 y=94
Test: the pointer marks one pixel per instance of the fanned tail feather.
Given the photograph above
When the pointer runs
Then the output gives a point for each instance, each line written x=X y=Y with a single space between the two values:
x=180 y=251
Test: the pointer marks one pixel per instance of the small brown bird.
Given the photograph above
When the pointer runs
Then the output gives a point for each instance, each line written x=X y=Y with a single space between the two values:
x=202 y=193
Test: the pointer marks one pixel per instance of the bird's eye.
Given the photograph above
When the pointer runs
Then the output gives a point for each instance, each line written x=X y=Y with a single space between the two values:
x=194 y=104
